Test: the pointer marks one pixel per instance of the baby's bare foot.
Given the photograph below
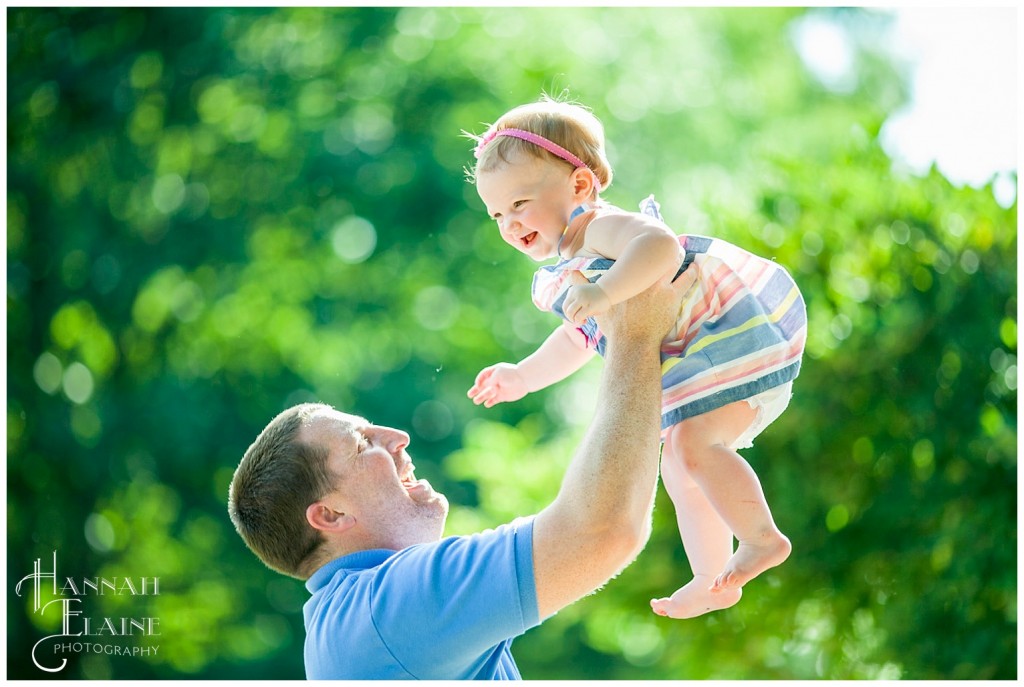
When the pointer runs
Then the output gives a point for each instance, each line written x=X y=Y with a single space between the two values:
x=751 y=559
x=694 y=599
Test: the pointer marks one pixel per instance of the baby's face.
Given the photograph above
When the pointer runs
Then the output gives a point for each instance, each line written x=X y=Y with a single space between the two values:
x=531 y=200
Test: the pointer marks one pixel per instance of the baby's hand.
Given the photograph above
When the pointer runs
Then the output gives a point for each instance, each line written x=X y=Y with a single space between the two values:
x=583 y=301
x=499 y=383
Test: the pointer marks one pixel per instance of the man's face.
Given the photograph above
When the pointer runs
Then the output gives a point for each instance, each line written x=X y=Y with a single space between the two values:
x=374 y=481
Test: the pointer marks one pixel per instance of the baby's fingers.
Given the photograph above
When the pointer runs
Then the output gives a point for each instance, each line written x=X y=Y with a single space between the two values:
x=576 y=278
x=481 y=380
x=570 y=310
x=483 y=396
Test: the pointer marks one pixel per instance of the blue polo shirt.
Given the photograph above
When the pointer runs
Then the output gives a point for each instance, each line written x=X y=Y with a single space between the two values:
x=441 y=611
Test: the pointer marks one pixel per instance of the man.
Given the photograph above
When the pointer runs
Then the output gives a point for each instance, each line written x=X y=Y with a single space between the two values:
x=332 y=499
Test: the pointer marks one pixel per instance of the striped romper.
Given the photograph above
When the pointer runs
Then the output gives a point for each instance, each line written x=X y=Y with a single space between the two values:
x=740 y=332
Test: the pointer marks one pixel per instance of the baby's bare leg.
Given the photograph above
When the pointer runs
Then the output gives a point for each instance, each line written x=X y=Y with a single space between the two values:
x=743 y=506
x=733 y=491
x=706 y=538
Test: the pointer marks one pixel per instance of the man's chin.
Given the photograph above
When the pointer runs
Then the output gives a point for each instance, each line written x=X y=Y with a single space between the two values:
x=442 y=513
x=442 y=503
x=431 y=505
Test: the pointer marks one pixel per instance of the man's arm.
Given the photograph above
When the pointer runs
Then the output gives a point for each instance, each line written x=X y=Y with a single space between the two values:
x=601 y=517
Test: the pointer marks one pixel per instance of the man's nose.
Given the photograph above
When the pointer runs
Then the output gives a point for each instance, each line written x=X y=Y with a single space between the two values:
x=394 y=439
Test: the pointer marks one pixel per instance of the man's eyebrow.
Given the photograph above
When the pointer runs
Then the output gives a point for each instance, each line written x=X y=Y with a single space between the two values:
x=357 y=428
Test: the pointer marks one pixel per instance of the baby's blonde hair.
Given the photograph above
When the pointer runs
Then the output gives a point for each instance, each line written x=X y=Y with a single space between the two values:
x=570 y=125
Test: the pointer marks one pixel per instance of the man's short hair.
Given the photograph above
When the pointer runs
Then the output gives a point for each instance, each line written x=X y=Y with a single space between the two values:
x=276 y=480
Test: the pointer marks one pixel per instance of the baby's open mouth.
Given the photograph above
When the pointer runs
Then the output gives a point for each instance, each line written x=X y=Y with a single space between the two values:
x=529 y=239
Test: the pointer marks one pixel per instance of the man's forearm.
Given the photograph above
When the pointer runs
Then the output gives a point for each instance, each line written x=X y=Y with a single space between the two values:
x=601 y=516
x=613 y=475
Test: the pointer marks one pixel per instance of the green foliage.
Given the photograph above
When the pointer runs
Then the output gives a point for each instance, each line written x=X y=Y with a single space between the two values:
x=215 y=213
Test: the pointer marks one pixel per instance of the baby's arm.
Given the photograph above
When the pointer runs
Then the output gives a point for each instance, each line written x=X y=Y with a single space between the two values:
x=561 y=354
x=643 y=249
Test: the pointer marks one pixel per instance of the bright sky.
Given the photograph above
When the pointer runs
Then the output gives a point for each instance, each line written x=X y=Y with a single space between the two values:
x=962 y=113
x=964 y=109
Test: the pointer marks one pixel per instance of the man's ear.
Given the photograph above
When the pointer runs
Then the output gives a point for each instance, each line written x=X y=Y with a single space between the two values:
x=322 y=517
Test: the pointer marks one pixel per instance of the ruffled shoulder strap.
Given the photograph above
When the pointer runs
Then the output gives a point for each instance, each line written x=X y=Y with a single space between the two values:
x=651 y=207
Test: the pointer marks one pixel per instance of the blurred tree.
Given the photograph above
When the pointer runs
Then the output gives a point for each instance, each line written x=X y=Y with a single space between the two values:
x=215 y=213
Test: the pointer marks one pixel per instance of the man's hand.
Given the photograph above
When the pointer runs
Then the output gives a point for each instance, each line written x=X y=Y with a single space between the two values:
x=584 y=300
x=499 y=383
x=650 y=314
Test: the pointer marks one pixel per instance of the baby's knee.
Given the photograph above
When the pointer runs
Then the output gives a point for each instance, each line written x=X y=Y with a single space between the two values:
x=683 y=444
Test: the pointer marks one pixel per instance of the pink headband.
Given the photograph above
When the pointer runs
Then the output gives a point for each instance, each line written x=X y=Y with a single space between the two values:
x=535 y=139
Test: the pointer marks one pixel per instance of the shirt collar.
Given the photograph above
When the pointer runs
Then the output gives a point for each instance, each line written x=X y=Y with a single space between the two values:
x=360 y=560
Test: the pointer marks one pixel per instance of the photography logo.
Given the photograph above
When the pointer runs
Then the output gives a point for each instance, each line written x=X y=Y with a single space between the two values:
x=81 y=634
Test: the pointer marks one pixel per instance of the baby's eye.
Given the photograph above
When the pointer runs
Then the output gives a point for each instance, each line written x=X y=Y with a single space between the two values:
x=518 y=204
